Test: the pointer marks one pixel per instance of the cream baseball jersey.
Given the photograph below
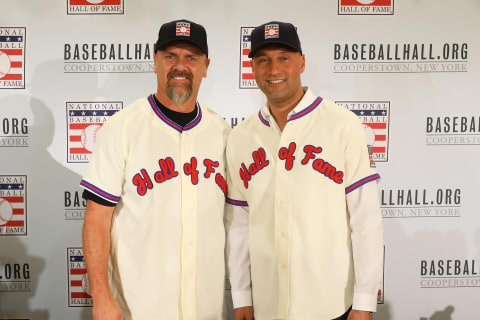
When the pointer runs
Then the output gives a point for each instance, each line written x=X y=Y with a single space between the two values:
x=295 y=185
x=167 y=236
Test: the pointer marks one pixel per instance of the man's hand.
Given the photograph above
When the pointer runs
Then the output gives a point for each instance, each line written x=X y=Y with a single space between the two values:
x=107 y=309
x=244 y=313
x=359 y=315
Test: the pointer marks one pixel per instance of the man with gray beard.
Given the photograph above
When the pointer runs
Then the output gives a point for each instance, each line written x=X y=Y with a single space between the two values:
x=153 y=235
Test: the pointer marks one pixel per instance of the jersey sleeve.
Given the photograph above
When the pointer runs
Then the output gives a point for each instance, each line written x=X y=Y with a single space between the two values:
x=105 y=173
x=359 y=167
x=237 y=226
x=367 y=245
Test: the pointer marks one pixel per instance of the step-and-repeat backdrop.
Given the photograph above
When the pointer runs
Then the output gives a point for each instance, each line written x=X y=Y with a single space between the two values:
x=409 y=69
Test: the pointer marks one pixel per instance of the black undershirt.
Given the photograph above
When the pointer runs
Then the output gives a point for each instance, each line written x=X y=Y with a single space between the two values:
x=179 y=118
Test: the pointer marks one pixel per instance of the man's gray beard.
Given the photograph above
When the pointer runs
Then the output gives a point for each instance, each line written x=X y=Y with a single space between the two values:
x=177 y=97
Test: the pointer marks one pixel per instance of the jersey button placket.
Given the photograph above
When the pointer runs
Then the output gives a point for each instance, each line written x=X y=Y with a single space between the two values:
x=189 y=229
x=282 y=240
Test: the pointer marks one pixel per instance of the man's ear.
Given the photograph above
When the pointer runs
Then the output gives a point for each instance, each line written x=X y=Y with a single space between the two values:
x=155 y=61
x=302 y=63
x=207 y=63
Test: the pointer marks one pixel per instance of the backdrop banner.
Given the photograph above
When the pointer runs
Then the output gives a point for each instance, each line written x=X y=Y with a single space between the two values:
x=409 y=70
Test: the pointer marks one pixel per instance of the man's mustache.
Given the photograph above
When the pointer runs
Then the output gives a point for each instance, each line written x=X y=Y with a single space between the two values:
x=183 y=74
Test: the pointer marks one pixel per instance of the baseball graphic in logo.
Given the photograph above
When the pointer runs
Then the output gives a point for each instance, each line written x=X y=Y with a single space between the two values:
x=370 y=134
x=4 y=64
x=89 y=136
x=6 y=211
x=366 y=1
x=86 y=284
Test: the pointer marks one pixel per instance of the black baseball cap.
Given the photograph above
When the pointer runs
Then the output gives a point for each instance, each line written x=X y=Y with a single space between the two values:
x=182 y=30
x=275 y=32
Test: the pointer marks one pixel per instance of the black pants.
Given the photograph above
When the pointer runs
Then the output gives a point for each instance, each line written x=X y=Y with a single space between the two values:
x=344 y=316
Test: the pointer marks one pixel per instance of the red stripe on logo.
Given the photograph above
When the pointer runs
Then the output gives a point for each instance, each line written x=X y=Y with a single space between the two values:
x=76 y=283
x=14 y=224
x=246 y=64
x=248 y=76
x=75 y=138
x=13 y=199
x=13 y=52
x=78 y=271
x=16 y=64
x=78 y=150
x=79 y=126
x=377 y=125
x=18 y=211
x=378 y=149
x=380 y=137
x=246 y=52
x=79 y=295
x=12 y=77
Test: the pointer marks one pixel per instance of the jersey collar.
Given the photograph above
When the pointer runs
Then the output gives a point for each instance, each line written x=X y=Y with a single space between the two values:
x=169 y=122
x=304 y=107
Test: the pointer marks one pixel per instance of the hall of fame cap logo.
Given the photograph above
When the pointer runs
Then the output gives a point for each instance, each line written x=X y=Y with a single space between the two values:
x=84 y=120
x=79 y=7
x=182 y=29
x=13 y=205
x=247 y=80
x=12 y=58
x=79 y=294
x=271 y=31
x=365 y=7
x=375 y=116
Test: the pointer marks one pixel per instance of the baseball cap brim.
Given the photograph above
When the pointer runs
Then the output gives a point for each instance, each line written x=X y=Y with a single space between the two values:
x=272 y=43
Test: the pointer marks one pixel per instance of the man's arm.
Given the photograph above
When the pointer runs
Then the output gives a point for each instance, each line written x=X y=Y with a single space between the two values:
x=367 y=245
x=239 y=261
x=96 y=248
